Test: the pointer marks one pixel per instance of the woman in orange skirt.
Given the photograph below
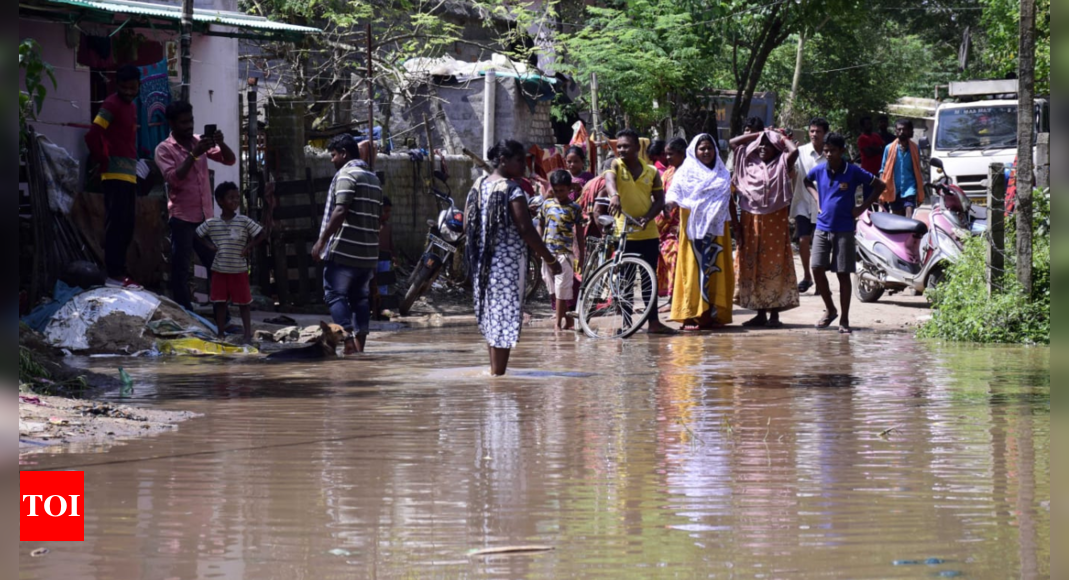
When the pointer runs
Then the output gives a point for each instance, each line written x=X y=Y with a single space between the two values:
x=767 y=282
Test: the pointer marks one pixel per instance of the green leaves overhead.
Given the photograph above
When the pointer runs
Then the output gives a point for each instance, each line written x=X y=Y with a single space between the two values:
x=1001 y=25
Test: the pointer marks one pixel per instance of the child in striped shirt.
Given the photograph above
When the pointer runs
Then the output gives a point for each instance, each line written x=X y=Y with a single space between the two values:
x=231 y=238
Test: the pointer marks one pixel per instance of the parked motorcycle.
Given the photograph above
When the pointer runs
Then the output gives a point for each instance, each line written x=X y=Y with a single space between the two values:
x=896 y=253
x=445 y=235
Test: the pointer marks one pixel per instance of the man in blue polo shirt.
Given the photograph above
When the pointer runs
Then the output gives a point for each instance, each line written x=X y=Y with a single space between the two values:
x=834 y=185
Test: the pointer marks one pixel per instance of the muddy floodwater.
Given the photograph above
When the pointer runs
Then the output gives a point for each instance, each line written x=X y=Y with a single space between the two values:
x=804 y=456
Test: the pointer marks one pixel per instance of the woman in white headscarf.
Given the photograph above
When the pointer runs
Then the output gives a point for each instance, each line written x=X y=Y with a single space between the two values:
x=704 y=284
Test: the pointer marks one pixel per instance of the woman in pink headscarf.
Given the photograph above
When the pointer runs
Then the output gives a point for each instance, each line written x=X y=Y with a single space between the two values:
x=767 y=282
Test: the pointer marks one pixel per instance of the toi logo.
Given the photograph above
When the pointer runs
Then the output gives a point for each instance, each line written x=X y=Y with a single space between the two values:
x=52 y=506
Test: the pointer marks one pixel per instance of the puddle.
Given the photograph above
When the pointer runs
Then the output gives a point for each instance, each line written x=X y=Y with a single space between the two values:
x=720 y=456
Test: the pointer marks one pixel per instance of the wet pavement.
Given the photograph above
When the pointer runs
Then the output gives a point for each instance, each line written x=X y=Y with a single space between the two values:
x=741 y=456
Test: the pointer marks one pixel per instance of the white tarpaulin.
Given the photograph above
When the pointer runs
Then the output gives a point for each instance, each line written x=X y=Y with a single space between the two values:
x=70 y=325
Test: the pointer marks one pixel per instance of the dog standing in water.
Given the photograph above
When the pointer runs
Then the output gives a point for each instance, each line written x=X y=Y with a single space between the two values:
x=326 y=347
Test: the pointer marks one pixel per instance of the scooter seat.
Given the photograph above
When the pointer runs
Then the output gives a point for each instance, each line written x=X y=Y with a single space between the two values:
x=893 y=224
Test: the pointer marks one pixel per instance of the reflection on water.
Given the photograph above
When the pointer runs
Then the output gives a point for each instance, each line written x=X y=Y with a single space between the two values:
x=718 y=457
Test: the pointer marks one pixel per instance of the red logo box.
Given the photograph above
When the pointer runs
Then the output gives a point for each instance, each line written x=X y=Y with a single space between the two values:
x=52 y=506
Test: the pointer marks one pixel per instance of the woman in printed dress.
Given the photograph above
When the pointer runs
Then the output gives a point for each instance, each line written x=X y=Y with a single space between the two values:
x=499 y=232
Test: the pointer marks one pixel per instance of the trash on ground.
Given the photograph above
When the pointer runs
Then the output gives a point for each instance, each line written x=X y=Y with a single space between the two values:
x=109 y=411
x=340 y=553
x=509 y=550
x=107 y=311
x=39 y=553
x=281 y=321
x=198 y=347
x=28 y=428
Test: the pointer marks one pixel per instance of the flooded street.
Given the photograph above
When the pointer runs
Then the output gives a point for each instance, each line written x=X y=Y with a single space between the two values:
x=733 y=456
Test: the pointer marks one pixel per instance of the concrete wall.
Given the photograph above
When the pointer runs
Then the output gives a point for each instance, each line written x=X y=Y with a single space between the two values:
x=413 y=203
x=460 y=111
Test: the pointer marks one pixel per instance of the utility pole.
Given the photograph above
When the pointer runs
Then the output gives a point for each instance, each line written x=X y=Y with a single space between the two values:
x=1026 y=133
x=186 y=41
x=787 y=117
x=371 y=103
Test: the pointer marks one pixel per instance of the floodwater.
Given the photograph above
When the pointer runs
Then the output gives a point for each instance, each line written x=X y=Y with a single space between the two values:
x=778 y=457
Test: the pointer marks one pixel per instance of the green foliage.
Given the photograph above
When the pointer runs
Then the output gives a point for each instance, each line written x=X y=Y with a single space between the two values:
x=962 y=310
x=853 y=68
x=1001 y=24
x=642 y=52
x=29 y=370
x=35 y=70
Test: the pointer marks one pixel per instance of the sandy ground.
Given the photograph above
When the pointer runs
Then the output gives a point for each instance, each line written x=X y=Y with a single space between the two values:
x=82 y=425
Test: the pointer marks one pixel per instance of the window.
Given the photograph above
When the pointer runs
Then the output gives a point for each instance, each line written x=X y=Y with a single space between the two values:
x=977 y=128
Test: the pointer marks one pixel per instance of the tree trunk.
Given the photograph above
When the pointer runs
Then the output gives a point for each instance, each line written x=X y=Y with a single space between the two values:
x=1026 y=130
x=771 y=37
x=787 y=117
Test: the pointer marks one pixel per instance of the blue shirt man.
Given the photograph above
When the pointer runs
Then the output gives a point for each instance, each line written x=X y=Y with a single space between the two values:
x=905 y=176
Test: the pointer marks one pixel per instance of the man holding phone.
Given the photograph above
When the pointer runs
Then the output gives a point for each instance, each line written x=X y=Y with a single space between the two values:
x=183 y=160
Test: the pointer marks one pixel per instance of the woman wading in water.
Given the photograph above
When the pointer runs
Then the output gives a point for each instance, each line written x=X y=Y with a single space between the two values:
x=499 y=232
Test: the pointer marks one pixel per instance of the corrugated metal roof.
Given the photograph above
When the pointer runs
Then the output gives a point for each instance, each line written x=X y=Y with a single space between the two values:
x=170 y=12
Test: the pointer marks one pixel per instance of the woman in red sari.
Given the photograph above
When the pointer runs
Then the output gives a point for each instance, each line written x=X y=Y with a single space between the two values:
x=668 y=224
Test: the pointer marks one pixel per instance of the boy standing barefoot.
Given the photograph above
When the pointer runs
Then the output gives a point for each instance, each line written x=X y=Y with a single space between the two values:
x=560 y=218
x=231 y=237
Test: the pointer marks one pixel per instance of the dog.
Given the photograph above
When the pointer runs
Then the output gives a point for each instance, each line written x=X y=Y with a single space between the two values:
x=326 y=347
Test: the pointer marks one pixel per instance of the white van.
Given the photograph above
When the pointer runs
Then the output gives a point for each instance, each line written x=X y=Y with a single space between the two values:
x=969 y=136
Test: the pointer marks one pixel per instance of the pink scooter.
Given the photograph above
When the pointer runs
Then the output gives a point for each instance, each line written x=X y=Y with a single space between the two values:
x=896 y=253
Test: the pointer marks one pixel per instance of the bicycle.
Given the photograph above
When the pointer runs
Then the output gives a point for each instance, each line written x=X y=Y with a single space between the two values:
x=616 y=300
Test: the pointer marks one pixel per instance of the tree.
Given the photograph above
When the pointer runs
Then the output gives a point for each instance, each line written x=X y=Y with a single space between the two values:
x=1000 y=49
x=323 y=67
x=32 y=98
x=643 y=53
x=849 y=72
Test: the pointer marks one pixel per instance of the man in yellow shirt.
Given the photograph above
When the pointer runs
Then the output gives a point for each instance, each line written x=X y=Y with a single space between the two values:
x=635 y=189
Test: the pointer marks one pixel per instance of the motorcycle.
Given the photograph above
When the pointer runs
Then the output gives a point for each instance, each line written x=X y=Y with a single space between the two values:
x=445 y=235
x=896 y=253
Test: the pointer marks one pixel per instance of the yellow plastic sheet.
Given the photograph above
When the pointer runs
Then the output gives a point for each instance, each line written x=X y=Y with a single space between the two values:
x=197 y=347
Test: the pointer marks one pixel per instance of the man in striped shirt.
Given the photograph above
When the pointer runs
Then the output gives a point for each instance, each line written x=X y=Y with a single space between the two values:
x=349 y=241
x=112 y=143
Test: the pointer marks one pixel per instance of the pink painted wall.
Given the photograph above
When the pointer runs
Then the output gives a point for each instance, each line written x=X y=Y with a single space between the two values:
x=214 y=93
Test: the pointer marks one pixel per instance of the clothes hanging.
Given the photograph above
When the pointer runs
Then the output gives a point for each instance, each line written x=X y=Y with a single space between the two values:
x=155 y=96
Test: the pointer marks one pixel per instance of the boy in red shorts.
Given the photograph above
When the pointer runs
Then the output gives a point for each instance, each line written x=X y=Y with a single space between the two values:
x=231 y=237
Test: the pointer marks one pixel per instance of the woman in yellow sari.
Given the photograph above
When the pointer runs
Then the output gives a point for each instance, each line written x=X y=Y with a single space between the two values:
x=704 y=283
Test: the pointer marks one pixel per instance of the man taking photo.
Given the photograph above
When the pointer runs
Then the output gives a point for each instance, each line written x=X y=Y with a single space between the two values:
x=183 y=160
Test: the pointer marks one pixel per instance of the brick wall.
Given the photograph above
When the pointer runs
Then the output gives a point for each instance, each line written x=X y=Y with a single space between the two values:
x=413 y=204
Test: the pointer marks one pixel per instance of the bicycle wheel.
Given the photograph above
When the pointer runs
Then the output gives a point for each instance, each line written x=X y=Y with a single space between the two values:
x=534 y=278
x=617 y=299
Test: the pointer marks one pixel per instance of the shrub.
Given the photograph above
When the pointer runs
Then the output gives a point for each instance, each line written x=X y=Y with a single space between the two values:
x=962 y=310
